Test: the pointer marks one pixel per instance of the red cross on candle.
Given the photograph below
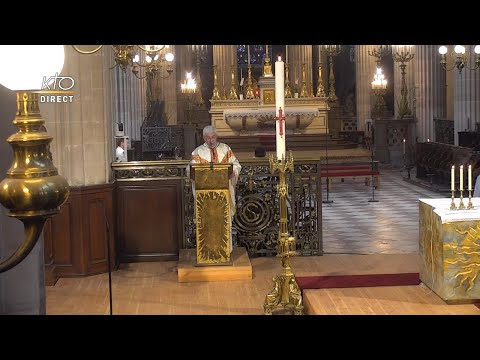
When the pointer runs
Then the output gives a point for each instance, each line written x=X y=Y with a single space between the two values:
x=281 y=120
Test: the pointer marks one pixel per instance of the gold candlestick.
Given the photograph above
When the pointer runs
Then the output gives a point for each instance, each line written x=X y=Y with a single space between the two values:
x=303 y=91
x=288 y=90
x=267 y=67
x=470 y=204
x=216 y=90
x=461 y=206
x=285 y=292
x=249 y=94
x=233 y=88
x=320 y=89
x=452 y=205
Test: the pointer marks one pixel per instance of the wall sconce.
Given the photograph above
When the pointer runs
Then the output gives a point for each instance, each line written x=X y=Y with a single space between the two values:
x=128 y=55
x=380 y=53
x=379 y=88
x=403 y=56
x=460 y=56
x=32 y=191
x=200 y=53
x=189 y=88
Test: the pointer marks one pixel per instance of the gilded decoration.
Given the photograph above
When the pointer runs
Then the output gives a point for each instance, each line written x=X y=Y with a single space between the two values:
x=450 y=250
x=213 y=226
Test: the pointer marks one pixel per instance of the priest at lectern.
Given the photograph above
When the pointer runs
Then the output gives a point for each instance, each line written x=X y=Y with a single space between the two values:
x=214 y=152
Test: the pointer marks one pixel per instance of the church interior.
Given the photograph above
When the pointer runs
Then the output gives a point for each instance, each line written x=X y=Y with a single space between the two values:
x=356 y=194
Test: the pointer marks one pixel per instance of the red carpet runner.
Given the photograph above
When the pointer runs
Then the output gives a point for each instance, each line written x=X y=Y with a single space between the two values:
x=350 y=281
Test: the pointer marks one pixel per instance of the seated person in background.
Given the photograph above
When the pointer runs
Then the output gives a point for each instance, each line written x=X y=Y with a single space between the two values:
x=120 y=151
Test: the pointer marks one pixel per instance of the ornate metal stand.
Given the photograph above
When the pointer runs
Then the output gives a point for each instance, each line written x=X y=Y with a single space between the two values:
x=286 y=292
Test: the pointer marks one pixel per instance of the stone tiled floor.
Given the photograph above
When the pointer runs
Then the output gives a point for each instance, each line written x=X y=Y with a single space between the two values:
x=352 y=225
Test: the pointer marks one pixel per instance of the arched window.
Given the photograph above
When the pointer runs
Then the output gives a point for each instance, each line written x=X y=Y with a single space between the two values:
x=257 y=59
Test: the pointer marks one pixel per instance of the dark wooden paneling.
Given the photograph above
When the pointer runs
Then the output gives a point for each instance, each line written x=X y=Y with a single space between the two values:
x=76 y=238
x=149 y=220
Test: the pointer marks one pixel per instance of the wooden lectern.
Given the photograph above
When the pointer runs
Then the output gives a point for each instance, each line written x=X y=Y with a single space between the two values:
x=212 y=212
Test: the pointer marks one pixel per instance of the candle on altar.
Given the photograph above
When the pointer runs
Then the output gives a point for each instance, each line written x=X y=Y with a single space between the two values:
x=461 y=178
x=286 y=54
x=403 y=146
x=470 y=177
x=453 y=178
x=248 y=54
x=280 y=104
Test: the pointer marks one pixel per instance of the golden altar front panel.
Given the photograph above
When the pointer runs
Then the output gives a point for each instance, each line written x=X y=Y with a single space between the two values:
x=450 y=250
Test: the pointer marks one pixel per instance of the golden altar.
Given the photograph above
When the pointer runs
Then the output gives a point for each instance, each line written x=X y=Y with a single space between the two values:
x=255 y=117
x=450 y=249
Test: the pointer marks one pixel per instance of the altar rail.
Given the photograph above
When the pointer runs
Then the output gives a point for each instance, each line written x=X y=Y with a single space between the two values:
x=435 y=160
x=155 y=215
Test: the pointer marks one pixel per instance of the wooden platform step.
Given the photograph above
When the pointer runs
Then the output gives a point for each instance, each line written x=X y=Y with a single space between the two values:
x=189 y=272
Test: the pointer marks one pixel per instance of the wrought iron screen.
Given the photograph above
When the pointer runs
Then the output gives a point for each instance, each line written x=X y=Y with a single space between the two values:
x=255 y=224
x=156 y=138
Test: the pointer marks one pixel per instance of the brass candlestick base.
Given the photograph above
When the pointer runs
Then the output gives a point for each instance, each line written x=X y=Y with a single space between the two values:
x=452 y=205
x=461 y=206
x=470 y=204
x=286 y=292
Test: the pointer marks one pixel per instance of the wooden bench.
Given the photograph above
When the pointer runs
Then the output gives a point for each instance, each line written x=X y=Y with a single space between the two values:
x=351 y=170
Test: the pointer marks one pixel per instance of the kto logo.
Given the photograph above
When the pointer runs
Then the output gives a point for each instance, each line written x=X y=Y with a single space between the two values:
x=57 y=89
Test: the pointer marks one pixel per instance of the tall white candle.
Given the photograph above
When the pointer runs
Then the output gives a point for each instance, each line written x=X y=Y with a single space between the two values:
x=453 y=178
x=470 y=177
x=286 y=54
x=461 y=178
x=248 y=54
x=403 y=146
x=280 y=103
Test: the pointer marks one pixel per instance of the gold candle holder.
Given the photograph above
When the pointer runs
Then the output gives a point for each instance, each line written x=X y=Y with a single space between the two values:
x=216 y=90
x=470 y=204
x=303 y=91
x=286 y=292
x=320 y=89
x=288 y=90
x=249 y=94
x=233 y=88
x=461 y=206
x=452 y=205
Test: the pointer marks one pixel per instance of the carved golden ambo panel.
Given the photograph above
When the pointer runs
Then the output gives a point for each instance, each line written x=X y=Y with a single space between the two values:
x=213 y=226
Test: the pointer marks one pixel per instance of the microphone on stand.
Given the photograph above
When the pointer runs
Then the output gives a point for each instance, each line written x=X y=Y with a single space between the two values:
x=327 y=201
x=372 y=146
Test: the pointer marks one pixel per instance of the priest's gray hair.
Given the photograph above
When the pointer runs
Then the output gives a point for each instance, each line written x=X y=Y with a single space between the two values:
x=209 y=129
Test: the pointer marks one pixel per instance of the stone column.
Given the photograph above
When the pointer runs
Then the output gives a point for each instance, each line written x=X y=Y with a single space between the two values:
x=82 y=133
x=365 y=68
x=467 y=96
x=298 y=55
x=430 y=91
x=128 y=100
x=224 y=56
x=167 y=88
x=22 y=288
